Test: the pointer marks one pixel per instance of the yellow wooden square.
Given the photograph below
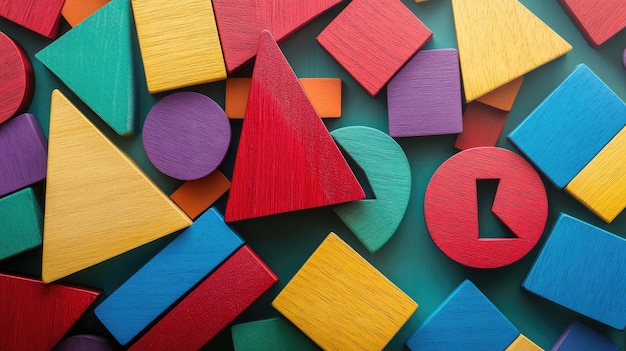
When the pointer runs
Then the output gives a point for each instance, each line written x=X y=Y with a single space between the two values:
x=522 y=343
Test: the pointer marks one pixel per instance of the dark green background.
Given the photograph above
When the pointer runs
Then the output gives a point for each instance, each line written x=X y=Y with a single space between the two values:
x=409 y=259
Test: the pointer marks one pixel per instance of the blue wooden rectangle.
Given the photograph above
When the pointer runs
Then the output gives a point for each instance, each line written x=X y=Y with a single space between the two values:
x=579 y=337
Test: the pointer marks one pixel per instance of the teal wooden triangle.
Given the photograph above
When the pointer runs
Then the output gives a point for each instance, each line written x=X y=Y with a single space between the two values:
x=95 y=61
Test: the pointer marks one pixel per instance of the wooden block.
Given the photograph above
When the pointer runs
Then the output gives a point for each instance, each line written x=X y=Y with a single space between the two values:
x=179 y=43
x=624 y=58
x=500 y=41
x=583 y=268
x=601 y=185
x=16 y=79
x=21 y=223
x=466 y=320
x=570 y=126
x=237 y=92
x=24 y=153
x=35 y=316
x=372 y=54
x=95 y=60
x=195 y=196
x=374 y=221
x=342 y=302
x=240 y=23
x=84 y=342
x=598 y=21
x=75 y=11
x=451 y=207
x=424 y=98
x=482 y=126
x=275 y=334
x=168 y=276
x=90 y=182
x=287 y=160
x=186 y=135
x=503 y=97
x=211 y=306
x=522 y=343
x=40 y=16
x=578 y=336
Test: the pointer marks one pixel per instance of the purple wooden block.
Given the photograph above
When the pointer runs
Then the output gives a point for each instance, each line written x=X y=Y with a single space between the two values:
x=186 y=135
x=23 y=153
x=424 y=98
x=579 y=337
x=84 y=342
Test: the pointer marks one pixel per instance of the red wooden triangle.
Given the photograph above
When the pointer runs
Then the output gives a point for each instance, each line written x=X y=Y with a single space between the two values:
x=287 y=160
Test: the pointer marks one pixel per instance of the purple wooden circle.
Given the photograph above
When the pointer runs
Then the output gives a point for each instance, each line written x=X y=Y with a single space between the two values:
x=186 y=135
x=84 y=343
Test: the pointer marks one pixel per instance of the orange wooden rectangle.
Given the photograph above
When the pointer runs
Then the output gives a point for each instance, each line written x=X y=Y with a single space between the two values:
x=75 y=11
x=196 y=196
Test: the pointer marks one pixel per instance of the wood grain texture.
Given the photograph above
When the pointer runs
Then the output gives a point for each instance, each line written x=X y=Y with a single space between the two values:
x=372 y=41
x=342 y=302
x=275 y=334
x=212 y=305
x=195 y=196
x=578 y=336
x=424 y=97
x=374 y=221
x=570 y=126
x=95 y=60
x=179 y=43
x=287 y=160
x=84 y=342
x=598 y=21
x=24 y=153
x=75 y=11
x=240 y=23
x=21 y=223
x=583 y=268
x=503 y=97
x=99 y=204
x=451 y=207
x=16 y=79
x=499 y=41
x=482 y=126
x=186 y=135
x=35 y=316
x=40 y=16
x=172 y=272
x=466 y=320
x=522 y=343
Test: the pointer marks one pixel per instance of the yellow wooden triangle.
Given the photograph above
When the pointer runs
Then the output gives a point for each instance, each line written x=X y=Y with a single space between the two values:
x=500 y=40
x=99 y=204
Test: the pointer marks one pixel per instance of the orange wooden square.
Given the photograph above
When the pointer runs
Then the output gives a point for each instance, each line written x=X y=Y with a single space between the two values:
x=196 y=196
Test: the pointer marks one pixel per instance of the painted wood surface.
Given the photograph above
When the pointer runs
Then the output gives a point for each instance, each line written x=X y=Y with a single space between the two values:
x=35 y=316
x=424 y=97
x=482 y=126
x=95 y=61
x=275 y=334
x=75 y=11
x=578 y=336
x=179 y=43
x=287 y=160
x=466 y=320
x=196 y=196
x=342 y=302
x=583 y=268
x=212 y=305
x=40 y=16
x=499 y=41
x=570 y=126
x=374 y=221
x=372 y=41
x=21 y=223
x=186 y=135
x=598 y=21
x=522 y=343
x=90 y=181
x=16 y=78
x=503 y=97
x=24 y=153
x=451 y=207
x=84 y=342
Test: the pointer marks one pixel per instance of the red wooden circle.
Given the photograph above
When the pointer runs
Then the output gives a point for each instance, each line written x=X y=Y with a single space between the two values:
x=16 y=79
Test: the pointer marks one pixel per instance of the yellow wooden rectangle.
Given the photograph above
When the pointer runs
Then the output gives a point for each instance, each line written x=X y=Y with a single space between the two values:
x=522 y=343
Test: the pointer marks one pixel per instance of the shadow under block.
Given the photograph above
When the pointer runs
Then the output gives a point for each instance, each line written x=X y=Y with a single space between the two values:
x=601 y=185
x=95 y=60
x=482 y=126
x=195 y=196
x=35 y=316
x=466 y=320
x=16 y=78
x=570 y=126
x=424 y=97
x=503 y=97
x=168 y=276
x=579 y=337
x=374 y=221
x=522 y=343
x=75 y=11
x=342 y=302
x=84 y=342
x=451 y=207
x=300 y=167
x=240 y=22
x=179 y=43
x=275 y=334
x=40 y=16
x=499 y=41
x=212 y=305
x=583 y=268
x=373 y=40
x=23 y=153
x=21 y=223
x=597 y=20
x=99 y=204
